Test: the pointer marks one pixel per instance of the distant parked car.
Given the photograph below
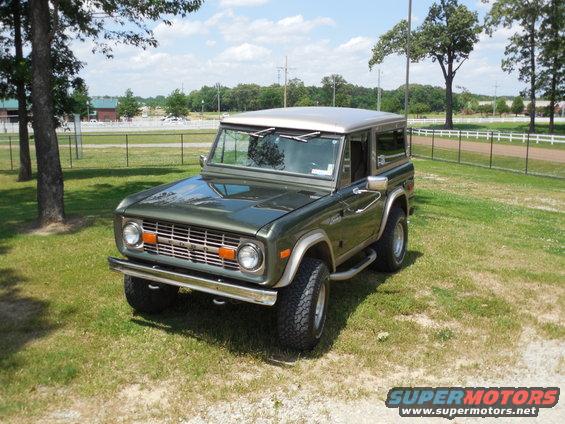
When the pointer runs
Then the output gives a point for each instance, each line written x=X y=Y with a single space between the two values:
x=174 y=120
x=93 y=120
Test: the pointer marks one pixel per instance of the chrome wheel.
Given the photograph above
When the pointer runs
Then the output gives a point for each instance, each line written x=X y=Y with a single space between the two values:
x=320 y=306
x=398 y=240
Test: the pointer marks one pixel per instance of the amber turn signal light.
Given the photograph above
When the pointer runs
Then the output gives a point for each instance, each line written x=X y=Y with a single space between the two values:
x=283 y=254
x=226 y=253
x=150 y=238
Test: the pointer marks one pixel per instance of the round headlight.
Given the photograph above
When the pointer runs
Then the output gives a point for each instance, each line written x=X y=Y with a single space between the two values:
x=249 y=257
x=132 y=234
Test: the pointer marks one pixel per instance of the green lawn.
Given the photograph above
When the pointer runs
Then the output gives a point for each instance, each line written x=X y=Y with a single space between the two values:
x=486 y=256
x=499 y=160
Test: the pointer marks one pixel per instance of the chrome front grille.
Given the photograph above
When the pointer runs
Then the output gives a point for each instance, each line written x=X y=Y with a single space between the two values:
x=194 y=244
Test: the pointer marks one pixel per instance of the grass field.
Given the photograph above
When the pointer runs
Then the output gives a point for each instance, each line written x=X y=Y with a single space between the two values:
x=499 y=160
x=482 y=285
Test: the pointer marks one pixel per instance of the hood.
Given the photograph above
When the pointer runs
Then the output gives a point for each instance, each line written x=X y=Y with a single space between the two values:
x=233 y=205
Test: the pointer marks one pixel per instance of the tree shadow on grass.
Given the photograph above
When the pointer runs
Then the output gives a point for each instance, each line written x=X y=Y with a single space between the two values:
x=23 y=319
x=251 y=329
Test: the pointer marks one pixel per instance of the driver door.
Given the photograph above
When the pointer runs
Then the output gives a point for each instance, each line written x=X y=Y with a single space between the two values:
x=361 y=210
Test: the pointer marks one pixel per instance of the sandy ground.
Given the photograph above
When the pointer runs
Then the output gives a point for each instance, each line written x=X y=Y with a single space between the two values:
x=519 y=151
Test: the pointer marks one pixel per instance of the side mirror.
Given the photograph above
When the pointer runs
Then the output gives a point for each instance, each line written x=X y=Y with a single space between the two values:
x=203 y=159
x=375 y=183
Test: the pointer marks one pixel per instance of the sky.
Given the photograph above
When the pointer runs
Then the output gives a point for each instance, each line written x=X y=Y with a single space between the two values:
x=245 y=41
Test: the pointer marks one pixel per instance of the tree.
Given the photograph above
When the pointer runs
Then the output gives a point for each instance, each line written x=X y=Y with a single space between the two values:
x=552 y=58
x=521 y=51
x=501 y=106
x=14 y=69
x=271 y=97
x=123 y=22
x=49 y=174
x=517 y=105
x=418 y=108
x=176 y=104
x=447 y=36
x=128 y=106
x=81 y=101
x=342 y=90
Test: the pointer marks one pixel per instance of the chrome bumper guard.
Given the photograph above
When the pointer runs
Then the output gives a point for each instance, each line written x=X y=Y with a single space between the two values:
x=206 y=285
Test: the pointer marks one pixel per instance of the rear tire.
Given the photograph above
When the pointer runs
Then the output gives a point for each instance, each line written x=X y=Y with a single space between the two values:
x=391 y=247
x=148 y=296
x=303 y=305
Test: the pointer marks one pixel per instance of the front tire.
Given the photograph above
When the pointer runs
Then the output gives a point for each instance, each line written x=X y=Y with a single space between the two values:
x=148 y=296
x=391 y=247
x=302 y=306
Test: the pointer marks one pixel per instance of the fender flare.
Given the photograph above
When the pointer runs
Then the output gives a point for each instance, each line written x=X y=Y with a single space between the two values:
x=302 y=245
x=395 y=194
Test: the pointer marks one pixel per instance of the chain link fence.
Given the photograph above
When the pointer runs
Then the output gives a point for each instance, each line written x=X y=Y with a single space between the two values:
x=536 y=154
x=116 y=150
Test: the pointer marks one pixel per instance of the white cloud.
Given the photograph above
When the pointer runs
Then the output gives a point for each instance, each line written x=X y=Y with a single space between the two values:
x=236 y=3
x=244 y=52
x=356 y=44
x=252 y=49
x=286 y=30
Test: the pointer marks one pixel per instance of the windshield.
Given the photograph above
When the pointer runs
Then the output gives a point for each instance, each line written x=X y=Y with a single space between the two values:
x=308 y=154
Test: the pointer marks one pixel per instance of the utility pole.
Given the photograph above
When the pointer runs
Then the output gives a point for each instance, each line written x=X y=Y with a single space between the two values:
x=202 y=104
x=285 y=69
x=379 y=90
x=333 y=98
x=494 y=103
x=407 y=59
x=218 y=87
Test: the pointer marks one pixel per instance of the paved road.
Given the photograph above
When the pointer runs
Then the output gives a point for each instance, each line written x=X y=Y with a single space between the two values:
x=518 y=151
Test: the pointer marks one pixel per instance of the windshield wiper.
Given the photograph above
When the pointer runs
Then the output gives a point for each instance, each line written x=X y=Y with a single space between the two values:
x=302 y=138
x=259 y=134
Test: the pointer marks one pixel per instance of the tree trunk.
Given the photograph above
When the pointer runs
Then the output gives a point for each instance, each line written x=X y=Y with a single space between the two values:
x=532 y=127
x=554 y=67
x=449 y=99
x=25 y=161
x=49 y=174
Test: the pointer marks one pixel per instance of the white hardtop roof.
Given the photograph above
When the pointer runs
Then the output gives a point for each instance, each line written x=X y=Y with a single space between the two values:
x=325 y=119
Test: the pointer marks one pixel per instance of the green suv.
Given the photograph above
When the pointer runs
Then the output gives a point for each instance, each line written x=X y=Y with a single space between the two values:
x=288 y=200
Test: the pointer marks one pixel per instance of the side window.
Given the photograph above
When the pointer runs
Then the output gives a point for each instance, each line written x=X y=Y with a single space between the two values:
x=356 y=158
x=390 y=147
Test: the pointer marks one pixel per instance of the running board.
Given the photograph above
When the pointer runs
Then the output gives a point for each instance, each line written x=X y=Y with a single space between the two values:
x=356 y=269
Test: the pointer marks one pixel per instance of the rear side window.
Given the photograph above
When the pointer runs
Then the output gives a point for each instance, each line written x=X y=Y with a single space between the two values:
x=390 y=146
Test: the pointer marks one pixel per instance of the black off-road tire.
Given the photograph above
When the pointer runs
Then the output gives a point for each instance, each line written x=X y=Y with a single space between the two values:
x=296 y=305
x=148 y=296
x=387 y=260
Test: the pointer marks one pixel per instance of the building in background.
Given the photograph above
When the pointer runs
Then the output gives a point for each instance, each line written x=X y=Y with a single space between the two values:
x=8 y=110
x=104 y=110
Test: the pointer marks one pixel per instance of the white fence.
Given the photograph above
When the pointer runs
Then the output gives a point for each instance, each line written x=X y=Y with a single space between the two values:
x=491 y=119
x=496 y=135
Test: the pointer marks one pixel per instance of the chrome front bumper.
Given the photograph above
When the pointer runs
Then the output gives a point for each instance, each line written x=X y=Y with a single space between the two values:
x=207 y=285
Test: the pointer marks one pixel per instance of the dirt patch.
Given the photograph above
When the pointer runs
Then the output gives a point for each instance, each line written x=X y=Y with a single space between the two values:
x=71 y=225
x=540 y=363
x=421 y=319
